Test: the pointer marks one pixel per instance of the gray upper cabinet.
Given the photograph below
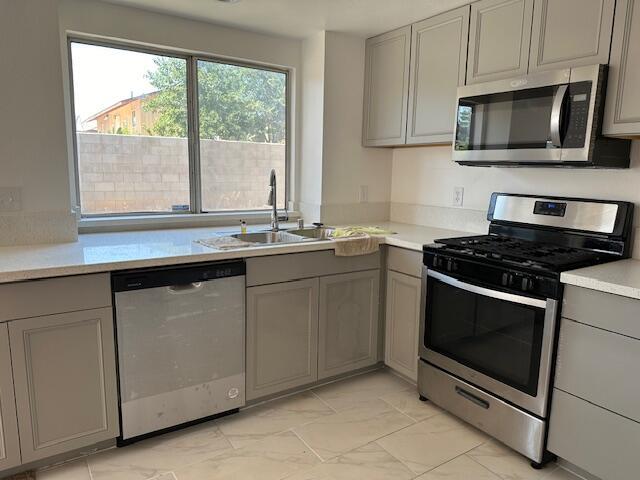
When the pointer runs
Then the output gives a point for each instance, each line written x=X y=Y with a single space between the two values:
x=569 y=33
x=348 y=325
x=386 y=88
x=9 y=443
x=282 y=336
x=622 y=110
x=499 y=38
x=438 y=66
x=65 y=381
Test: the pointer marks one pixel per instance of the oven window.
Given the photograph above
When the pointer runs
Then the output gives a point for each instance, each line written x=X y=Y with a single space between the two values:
x=509 y=120
x=497 y=338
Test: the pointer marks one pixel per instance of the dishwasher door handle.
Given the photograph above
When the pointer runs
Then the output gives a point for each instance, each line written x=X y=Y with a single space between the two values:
x=185 y=288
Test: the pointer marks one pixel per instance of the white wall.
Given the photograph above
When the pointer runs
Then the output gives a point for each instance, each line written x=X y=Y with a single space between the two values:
x=310 y=165
x=347 y=165
x=33 y=148
x=425 y=177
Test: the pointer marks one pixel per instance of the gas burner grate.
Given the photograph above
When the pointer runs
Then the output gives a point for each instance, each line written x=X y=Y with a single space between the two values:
x=515 y=250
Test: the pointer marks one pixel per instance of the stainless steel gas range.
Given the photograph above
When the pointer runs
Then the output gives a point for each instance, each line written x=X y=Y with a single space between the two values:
x=491 y=306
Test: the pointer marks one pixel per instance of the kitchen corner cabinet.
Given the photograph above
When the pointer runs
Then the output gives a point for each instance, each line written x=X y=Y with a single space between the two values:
x=499 y=39
x=348 y=325
x=386 y=88
x=282 y=334
x=622 y=109
x=65 y=381
x=9 y=443
x=438 y=67
x=402 y=323
x=570 y=33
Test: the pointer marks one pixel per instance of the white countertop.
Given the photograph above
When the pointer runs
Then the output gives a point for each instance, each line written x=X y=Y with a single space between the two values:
x=105 y=252
x=620 y=278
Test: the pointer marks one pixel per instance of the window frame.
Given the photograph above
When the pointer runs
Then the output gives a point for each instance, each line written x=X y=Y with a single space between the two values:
x=195 y=211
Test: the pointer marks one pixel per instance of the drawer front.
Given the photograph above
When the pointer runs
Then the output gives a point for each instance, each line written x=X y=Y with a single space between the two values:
x=599 y=366
x=54 y=295
x=296 y=266
x=596 y=440
x=603 y=310
x=405 y=261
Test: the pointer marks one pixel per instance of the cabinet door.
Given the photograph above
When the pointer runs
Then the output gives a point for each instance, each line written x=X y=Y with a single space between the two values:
x=282 y=336
x=386 y=87
x=570 y=33
x=9 y=443
x=65 y=381
x=348 y=322
x=622 y=108
x=402 y=323
x=499 y=37
x=438 y=66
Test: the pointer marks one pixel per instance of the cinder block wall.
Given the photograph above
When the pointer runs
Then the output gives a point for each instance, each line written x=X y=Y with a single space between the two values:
x=129 y=173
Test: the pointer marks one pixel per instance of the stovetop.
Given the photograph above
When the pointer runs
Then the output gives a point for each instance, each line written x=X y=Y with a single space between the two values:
x=524 y=253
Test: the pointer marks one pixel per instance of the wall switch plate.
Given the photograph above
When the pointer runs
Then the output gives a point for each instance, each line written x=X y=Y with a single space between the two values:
x=458 y=196
x=10 y=199
x=364 y=193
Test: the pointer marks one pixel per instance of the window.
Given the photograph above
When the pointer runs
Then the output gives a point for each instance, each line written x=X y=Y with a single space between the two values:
x=137 y=113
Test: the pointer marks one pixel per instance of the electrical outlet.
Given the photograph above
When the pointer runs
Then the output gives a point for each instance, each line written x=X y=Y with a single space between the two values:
x=10 y=199
x=364 y=193
x=458 y=196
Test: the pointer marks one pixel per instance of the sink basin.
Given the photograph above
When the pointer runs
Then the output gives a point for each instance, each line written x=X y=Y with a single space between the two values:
x=271 y=237
x=321 y=233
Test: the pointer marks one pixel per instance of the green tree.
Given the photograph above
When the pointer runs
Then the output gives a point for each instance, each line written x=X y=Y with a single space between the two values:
x=235 y=103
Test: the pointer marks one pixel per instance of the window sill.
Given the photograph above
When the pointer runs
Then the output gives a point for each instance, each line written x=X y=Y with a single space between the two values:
x=186 y=220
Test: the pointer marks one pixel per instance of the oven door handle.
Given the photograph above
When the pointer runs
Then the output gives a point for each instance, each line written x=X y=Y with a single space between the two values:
x=509 y=297
x=556 y=115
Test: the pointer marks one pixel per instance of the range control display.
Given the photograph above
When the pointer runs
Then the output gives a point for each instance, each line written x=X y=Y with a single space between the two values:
x=555 y=209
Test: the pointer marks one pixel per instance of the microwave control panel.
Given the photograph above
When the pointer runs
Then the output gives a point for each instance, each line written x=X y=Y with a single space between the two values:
x=577 y=108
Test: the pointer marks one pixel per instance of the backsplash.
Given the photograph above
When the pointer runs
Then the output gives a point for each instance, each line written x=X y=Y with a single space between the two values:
x=423 y=180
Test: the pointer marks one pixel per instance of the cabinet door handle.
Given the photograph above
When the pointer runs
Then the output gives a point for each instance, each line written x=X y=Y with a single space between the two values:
x=472 y=398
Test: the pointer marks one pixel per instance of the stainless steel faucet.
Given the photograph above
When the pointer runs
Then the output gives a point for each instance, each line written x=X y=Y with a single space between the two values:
x=273 y=202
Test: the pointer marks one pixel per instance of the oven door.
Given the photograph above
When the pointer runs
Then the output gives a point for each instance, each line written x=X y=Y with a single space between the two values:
x=497 y=341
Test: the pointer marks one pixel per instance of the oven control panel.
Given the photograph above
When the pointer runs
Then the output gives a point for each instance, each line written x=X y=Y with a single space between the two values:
x=501 y=278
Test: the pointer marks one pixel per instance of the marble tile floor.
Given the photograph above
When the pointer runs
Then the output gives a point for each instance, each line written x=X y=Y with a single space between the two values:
x=370 y=426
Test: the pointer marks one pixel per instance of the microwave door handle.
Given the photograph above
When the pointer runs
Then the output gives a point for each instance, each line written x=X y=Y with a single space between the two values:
x=556 y=115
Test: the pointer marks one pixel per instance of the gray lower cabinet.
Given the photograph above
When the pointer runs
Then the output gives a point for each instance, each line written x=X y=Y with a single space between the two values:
x=348 y=325
x=386 y=88
x=499 y=38
x=596 y=440
x=65 y=381
x=570 y=33
x=438 y=66
x=402 y=323
x=595 y=410
x=9 y=442
x=282 y=336
x=622 y=109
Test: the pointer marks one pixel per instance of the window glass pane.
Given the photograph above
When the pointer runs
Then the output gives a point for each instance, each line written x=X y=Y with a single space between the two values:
x=242 y=112
x=131 y=124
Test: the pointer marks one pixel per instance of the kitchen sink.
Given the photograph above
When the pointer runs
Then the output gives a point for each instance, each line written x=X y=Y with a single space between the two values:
x=315 y=233
x=271 y=237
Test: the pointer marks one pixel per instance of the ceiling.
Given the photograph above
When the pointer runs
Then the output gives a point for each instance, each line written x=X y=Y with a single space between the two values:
x=301 y=18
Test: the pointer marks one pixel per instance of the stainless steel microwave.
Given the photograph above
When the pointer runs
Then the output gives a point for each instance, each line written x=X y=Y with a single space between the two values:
x=546 y=119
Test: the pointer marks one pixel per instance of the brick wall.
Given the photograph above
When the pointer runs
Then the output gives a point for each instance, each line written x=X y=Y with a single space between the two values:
x=128 y=173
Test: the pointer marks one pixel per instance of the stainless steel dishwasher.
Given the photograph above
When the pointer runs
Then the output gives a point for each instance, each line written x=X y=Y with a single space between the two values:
x=181 y=344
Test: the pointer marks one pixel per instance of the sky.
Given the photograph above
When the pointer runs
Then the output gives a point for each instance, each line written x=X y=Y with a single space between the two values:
x=102 y=76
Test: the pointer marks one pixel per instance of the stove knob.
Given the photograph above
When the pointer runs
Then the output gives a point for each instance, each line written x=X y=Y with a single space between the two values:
x=449 y=265
x=527 y=284
x=505 y=279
